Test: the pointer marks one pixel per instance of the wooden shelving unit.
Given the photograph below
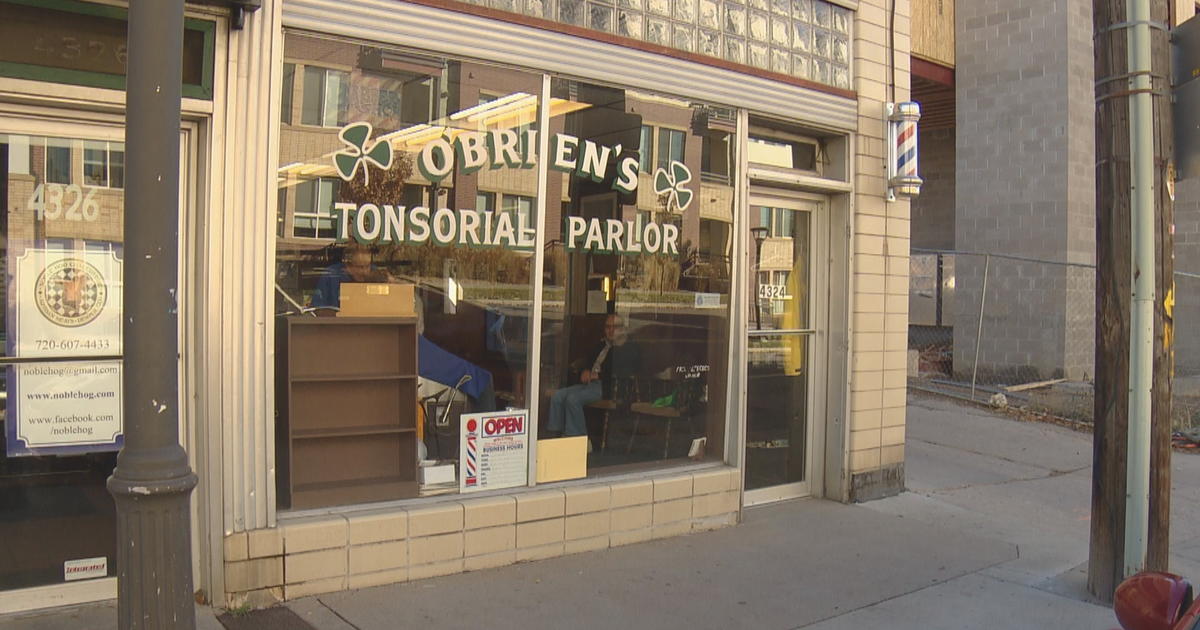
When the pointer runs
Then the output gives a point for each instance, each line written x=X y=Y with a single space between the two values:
x=351 y=410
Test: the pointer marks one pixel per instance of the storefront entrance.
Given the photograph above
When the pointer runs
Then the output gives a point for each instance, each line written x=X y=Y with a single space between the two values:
x=62 y=236
x=784 y=335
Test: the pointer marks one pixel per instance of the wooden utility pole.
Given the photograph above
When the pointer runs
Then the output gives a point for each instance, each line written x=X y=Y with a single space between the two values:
x=1114 y=89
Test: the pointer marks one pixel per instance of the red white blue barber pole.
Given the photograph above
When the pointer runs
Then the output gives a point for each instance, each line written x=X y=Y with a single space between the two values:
x=903 y=180
x=472 y=453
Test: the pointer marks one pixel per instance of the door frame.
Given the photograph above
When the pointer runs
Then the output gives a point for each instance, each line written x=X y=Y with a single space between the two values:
x=819 y=209
x=38 y=120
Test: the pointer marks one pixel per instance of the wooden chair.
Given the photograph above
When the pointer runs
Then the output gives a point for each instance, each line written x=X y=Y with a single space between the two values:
x=624 y=393
x=686 y=404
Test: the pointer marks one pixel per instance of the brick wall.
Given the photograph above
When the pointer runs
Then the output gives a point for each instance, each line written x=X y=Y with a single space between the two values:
x=1025 y=183
x=1187 y=289
x=881 y=242
x=933 y=211
x=309 y=556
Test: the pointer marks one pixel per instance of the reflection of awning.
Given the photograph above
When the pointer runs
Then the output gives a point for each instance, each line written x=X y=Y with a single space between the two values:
x=716 y=202
x=776 y=255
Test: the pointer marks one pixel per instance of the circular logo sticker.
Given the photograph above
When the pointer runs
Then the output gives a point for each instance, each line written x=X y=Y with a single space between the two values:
x=70 y=292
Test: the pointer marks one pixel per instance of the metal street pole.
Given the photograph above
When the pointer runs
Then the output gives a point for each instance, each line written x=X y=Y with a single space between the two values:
x=1141 y=318
x=152 y=479
x=760 y=235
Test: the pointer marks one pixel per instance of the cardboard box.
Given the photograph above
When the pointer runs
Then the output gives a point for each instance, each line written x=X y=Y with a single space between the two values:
x=562 y=458
x=377 y=299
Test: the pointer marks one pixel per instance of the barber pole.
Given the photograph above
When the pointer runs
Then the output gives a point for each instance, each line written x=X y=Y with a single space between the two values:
x=472 y=454
x=903 y=180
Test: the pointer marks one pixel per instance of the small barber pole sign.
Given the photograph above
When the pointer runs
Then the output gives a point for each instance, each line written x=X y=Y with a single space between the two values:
x=495 y=451
x=472 y=474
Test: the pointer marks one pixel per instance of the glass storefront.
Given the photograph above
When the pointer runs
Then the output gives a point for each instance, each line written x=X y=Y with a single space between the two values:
x=62 y=235
x=658 y=310
x=781 y=330
x=418 y=177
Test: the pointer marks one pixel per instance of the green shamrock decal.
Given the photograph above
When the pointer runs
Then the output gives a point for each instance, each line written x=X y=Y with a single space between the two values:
x=356 y=137
x=672 y=182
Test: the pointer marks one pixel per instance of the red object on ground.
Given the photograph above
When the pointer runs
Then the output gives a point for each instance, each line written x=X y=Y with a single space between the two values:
x=1154 y=600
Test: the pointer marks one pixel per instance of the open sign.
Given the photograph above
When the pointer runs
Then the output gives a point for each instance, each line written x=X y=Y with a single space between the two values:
x=508 y=425
x=495 y=450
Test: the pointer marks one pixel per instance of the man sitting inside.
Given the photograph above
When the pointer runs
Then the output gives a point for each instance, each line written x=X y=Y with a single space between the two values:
x=613 y=357
x=356 y=266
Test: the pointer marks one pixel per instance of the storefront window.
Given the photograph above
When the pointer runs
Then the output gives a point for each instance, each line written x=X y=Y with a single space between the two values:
x=63 y=248
x=404 y=276
x=636 y=321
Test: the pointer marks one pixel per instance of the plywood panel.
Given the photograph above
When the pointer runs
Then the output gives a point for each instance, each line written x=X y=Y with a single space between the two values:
x=933 y=30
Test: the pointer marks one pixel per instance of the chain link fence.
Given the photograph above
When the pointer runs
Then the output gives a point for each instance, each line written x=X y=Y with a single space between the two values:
x=1019 y=332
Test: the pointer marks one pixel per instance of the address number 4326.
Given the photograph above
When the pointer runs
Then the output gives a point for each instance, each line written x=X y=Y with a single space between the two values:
x=60 y=201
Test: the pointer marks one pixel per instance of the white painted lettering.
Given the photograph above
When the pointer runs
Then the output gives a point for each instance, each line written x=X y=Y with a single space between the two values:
x=363 y=232
x=503 y=147
x=342 y=212
x=627 y=175
x=670 y=239
x=595 y=236
x=418 y=221
x=443 y=226
x=652 y=238
x=393 y=224
x=436 y=160
x=530 y=150
x=468 y=225
x=487 y=228
x=576 y=226
x=471 y=148
x=564 y=152
x=526 y=234
x=615 y=230
x=504 y=230
x=632 y=244
x=594 y=161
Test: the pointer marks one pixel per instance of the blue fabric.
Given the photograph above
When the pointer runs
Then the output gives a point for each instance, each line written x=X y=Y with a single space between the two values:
x=436 y=364
x=329 y=286
x=495 y=332
x=566 y=408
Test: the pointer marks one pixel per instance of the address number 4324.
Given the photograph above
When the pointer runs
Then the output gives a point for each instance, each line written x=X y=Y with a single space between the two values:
x=61 y=201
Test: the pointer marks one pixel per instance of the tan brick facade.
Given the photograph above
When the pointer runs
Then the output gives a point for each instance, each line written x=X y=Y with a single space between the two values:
x=881 y=247
x=313 y=555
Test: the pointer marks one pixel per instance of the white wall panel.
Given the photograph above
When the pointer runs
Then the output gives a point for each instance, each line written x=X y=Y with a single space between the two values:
x=240 y=276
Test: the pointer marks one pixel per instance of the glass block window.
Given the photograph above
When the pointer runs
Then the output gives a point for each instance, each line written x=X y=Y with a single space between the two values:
x=808 y=39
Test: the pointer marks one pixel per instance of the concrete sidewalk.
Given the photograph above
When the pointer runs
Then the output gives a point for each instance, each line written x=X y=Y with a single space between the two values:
x=993 y=533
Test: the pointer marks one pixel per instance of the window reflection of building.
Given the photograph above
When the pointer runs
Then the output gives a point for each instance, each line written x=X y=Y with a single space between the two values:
x=103 y=166
x=313 y=217
x=58 y=162
x=62 y=188
x=654 y=293
x=326 y=95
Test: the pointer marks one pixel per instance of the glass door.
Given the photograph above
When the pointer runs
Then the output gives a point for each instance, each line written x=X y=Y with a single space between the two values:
x=62 y=255
x=781 y=333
